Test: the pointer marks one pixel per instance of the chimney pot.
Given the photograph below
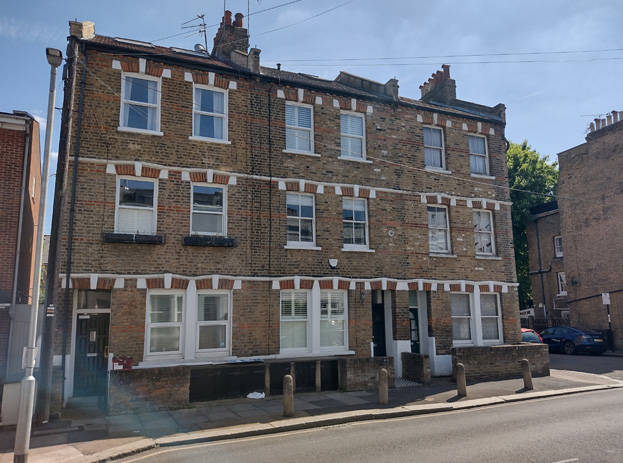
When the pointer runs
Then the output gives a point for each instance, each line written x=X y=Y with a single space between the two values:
x=446 y=71
x=239 y=20
x=615 y=116
x=227 y=18
x=597 y=123
x=609 y=119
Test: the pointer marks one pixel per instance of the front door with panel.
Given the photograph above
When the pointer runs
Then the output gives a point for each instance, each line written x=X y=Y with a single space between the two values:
x=90 y=372
x=378 y=324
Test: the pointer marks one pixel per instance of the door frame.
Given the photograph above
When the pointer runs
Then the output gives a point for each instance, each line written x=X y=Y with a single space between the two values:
x=70 y=364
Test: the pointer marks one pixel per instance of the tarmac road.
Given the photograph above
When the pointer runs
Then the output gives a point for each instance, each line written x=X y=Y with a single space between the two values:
x=580 y=428
x=599 y=365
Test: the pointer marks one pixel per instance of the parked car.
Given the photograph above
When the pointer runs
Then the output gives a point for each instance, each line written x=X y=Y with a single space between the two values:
x=569 y=340
x=528 y=335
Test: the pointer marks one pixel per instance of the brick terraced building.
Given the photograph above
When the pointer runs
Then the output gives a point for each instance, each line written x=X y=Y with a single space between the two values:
x=228 y=223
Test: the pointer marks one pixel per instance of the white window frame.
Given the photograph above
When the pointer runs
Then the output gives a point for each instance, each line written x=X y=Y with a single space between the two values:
x=223 y=212
x=480 y=232
x=441 y=149
x=296 y=128
x=361 y=137
x=561 y=280
x=331 y=294
x=436 y=228
x=200 y=353
x=558 y=246
x=225 y=116
x=283 y=320
x=298 y=243
x=352 y=246
x=119 y=207
x=314 y=323
x=475 y=320
x=123 y=124
x=148 y=325
x=480 y=155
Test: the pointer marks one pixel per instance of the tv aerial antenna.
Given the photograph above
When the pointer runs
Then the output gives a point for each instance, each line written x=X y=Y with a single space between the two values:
x=201 y=28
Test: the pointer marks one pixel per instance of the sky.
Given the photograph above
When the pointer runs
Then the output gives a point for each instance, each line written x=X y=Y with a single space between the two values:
x=555 y=64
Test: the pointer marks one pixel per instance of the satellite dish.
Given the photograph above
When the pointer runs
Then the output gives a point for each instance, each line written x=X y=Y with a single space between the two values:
x=200 y=48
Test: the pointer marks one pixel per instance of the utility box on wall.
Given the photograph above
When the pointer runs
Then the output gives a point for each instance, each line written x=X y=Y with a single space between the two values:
x=122 y=363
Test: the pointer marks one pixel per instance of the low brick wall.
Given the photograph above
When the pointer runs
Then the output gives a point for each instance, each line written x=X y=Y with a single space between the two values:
x=500 y=362
x=362 y=373
x=416 y=367
x=147 y=390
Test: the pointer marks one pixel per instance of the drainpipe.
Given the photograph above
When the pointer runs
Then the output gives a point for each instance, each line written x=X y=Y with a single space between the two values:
x=27 y=154
x=71 y=220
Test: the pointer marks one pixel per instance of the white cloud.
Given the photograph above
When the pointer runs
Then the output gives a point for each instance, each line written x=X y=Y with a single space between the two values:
x=54 y=155
x=42 y=122
x=11 y=28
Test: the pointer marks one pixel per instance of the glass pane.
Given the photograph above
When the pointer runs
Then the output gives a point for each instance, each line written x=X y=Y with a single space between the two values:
x=304 y=117
x=307 y=230
x=139 y=117
x=307 y=206
x=290 y=139
x=303 y=140
x=209 y=101
x=208 y=126
x=347 y=209
x=413 y=303
x=207 y=223
x=212 y=337
x=488 y=305
x=293 y=205
x=141 y=90
x=136 y=193
x=477 y=145
x=348 y=234
x=331 y=333
x=359 y=208
x=432 y=137
x=290 y=115
x=460 y=305
x=432 y=157
x=164 y=339
x=94 y=299
x=359 y=231
x=212 y=307
x=461 y=330
x=207 y=199
x=293 y=334
x=490 y=328
x=351 y=125
x=478 y=164
x=437 y=240
x=165 y=309
x=294 y=305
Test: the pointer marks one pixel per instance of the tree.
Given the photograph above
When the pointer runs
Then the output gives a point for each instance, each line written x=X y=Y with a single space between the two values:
x=533 y=180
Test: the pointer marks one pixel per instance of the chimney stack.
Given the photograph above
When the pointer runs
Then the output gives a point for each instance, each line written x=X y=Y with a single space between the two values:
x=230 y=36
x=440 y=87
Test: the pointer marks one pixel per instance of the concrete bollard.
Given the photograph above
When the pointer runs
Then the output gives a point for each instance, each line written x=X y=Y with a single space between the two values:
x=383 y=388
x=461 y=381
x=288 y=396
x=527 y=374
x=318 y=376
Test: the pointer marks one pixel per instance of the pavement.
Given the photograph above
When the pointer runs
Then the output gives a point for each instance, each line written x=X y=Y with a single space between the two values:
x=85 y=434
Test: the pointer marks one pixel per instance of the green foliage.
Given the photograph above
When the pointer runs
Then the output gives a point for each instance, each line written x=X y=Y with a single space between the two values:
x=533 y=180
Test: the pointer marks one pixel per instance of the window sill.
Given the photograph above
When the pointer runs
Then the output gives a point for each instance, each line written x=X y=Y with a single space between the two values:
x=484 y=257
x=357 y=249
x=300 y=246
x=209 y=240
x=483 y=176
x=304 y=153
x=435 y=254
x=210 y=140
x=437 y=170
x=346 y=158
x=142 y=131
x=132 y=238
x=561 y=294
x=327 y=353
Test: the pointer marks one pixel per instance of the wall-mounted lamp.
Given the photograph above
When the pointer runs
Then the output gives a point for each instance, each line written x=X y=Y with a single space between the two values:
x=333 y=263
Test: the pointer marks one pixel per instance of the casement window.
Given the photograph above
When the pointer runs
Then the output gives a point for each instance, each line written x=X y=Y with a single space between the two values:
x=476 y=318
x=353 y=141
x=558 y=246
x=136 y=206
x=140 y=103
x=300 y=219
x=210 y=113
x=313 y=321
x=438 y=229
x=165 y=323
x=562 y=284
x=213 y=323
x=355 y=223
x=332 y=319
x=483 y=233
x=478 y=157
x=433 y=148
x=209 y=210
x=294 y=323
x=299 y=128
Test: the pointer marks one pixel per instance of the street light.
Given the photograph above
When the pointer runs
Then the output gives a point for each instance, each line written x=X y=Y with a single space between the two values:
x=27 y=397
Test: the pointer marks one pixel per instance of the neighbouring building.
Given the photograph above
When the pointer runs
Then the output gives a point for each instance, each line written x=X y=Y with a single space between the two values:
x=20 y=180
x=590 y=202
x=547 y=270
x=228 y=223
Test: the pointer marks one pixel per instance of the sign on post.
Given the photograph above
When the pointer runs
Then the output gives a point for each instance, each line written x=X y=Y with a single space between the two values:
x=605 y=298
